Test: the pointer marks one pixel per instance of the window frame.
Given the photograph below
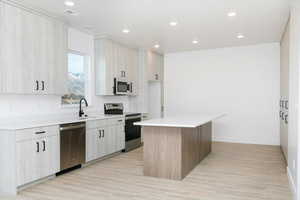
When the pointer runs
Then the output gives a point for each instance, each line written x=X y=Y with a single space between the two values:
x=87 y=71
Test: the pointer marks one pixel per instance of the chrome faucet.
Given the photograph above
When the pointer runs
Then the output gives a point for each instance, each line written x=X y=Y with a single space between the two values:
x=80 y=107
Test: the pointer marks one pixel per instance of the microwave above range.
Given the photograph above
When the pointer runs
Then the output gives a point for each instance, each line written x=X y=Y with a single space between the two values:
x=122 y=87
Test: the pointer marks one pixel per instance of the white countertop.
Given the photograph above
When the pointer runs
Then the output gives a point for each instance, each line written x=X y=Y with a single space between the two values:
x=33 y=122
x=184 y=121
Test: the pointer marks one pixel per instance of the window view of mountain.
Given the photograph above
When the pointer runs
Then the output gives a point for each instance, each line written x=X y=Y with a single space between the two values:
x=76 y=86
x=76 y=80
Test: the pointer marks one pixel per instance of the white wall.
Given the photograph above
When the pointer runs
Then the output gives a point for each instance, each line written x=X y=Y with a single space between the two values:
x=242 y=82
x=25 y=105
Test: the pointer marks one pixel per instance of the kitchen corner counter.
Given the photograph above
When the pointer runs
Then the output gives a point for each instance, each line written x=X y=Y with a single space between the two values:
x=34 y=122
x=185 y=121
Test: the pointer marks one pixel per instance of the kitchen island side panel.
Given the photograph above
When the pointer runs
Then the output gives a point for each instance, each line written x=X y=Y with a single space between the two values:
x=162 y=152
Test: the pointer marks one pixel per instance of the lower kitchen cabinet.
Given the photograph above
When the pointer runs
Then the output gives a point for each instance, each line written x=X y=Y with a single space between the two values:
x=106 y=138
x=37 y=158
x=93 y=144
x=27 y=155
x=31 y=154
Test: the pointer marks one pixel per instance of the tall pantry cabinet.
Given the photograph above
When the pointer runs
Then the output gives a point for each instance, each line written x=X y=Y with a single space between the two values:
x=33 y=52
x=284 y=90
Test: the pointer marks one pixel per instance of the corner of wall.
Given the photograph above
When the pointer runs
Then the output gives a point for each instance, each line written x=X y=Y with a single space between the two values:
x=291 y=183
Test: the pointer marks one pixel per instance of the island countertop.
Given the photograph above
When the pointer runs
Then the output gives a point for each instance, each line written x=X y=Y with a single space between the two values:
x=184 y=121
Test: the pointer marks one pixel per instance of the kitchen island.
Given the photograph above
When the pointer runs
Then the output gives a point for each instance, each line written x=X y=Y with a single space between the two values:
x=173 y=146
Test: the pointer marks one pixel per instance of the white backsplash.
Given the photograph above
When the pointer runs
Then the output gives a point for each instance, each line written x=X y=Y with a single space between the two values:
x=34 y=105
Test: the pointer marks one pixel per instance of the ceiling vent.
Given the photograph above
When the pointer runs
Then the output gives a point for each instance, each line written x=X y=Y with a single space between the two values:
x=71 y=12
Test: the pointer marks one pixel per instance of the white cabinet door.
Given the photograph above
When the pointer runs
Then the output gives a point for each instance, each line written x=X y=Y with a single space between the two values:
x=17 y=44
x=57 y=70
x=122 y=62
x=37 y=158
x=155 y=66
x=49 y=158
x=110 y=141
x=33 y=47
x=27 y=161
x=95 y=144
x=91 y=144
x=134 y=72
x=120 y=137
x=105 y=66
x=102 y=143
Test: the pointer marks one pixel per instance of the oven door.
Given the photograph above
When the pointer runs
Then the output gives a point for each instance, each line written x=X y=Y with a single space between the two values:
x=121 y=87
x=131 y=131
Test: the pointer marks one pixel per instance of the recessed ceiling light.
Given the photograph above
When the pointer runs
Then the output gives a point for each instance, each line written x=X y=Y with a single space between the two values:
x=240 y=36
x=69 y=3
x=126 y=30
x=173 y=23
x=157 y=46
x=195 y=41
x=231 y=14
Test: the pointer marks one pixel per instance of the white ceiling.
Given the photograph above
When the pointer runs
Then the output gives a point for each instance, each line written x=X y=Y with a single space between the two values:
x=261 y=21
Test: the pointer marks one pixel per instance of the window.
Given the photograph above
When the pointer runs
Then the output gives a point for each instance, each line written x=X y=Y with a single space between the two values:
x=77 y=79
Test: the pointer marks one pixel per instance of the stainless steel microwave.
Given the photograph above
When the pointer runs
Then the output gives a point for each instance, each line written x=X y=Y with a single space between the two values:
x=120 y=86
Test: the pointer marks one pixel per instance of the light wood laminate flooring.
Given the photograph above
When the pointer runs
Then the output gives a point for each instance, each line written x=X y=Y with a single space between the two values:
x=230 y=172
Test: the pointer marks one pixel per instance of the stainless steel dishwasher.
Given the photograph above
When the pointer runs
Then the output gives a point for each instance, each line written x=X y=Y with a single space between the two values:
x=72 y=145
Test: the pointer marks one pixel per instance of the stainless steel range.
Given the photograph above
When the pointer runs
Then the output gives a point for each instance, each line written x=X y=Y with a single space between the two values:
x=132 y=133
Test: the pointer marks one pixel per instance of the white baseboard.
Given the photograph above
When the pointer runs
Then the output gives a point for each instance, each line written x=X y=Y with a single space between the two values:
x=228 y=140
x=292 y=183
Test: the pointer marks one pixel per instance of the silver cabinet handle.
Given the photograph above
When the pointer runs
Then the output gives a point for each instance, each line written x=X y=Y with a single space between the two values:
x=100 y=134
x=103 y=133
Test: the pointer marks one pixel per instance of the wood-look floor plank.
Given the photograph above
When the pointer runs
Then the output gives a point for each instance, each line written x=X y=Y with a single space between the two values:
x=230 y=172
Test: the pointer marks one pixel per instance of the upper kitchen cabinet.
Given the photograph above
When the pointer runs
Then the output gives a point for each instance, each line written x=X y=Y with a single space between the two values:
x=33 y=52
x=133 y=72
x=113 y=60
x=155 y=66
x=105 y=52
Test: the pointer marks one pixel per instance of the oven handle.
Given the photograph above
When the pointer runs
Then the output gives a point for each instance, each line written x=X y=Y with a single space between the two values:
x=134 y=117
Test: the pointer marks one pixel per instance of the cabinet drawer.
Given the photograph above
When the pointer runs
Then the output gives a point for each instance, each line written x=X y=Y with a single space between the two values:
x=115 y=121
x=36 y=133
x=95 y=124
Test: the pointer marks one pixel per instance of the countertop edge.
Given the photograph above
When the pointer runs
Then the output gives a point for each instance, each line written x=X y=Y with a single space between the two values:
x=56 y=122
x=192 y=125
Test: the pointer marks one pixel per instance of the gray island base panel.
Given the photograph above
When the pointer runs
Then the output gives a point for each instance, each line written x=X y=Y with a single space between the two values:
x=172 y=152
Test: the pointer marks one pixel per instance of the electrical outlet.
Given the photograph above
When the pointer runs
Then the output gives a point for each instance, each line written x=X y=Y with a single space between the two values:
x=294 y=164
